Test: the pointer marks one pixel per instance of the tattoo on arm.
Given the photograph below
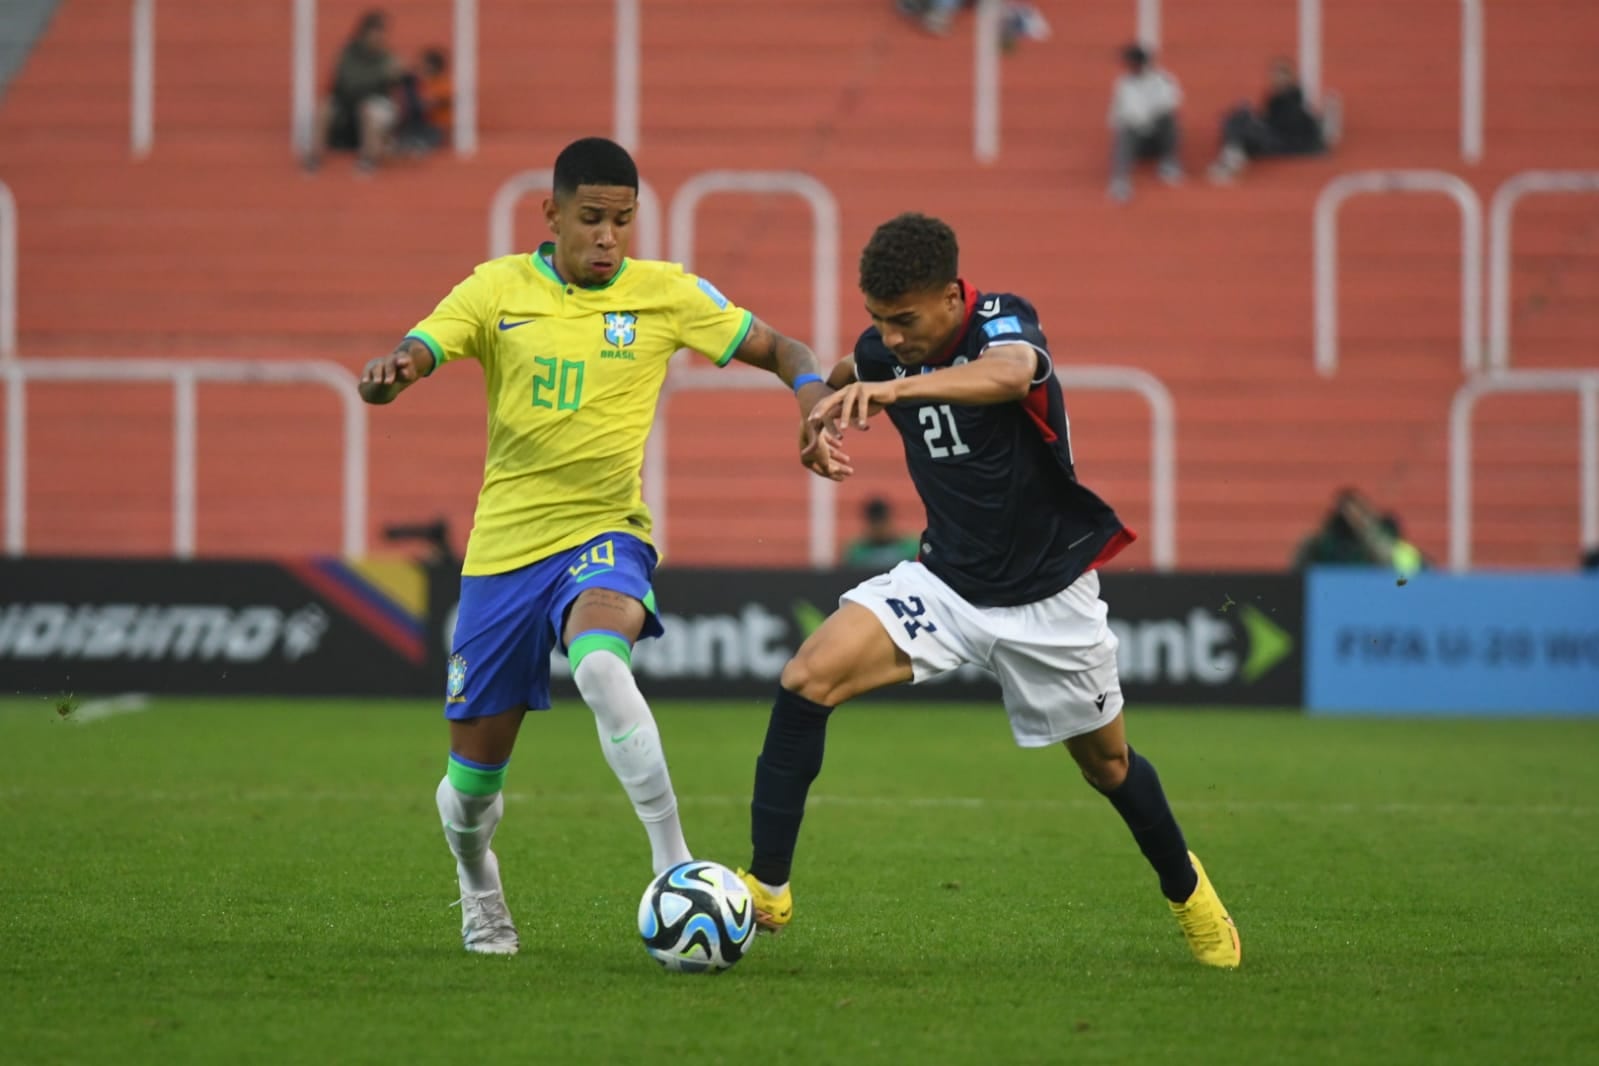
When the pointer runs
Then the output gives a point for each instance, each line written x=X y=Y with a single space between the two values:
x=759 y=348
x=769 y=350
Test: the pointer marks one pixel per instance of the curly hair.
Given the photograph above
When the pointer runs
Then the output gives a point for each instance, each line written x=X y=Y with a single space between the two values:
x=911 y=253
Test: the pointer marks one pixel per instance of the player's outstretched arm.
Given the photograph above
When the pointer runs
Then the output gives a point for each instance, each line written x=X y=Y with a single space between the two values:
x=385 y=378
x=786 y=357
x=1003 y=375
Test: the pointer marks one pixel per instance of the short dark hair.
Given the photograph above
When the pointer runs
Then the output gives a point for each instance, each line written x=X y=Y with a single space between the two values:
x=593 y=161
x=910 y=253
x=877 y=509
x=436 y=58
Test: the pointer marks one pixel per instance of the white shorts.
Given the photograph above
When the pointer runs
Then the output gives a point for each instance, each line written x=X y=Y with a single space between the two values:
x=1055 y=659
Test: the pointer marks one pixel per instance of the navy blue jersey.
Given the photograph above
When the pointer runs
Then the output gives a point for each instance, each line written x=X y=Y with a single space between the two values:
x=1007 y=520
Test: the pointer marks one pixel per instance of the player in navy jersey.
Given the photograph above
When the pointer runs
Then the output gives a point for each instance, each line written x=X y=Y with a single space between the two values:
x=1007 y=574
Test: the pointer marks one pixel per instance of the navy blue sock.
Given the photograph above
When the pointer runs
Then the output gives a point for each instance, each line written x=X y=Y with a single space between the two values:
x=788 y=763
x=1142 y=804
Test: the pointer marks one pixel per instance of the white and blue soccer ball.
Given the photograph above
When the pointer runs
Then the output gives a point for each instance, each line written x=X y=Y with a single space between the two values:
x=697 y=917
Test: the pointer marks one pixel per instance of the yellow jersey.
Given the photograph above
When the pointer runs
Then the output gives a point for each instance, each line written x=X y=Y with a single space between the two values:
x=572 y=376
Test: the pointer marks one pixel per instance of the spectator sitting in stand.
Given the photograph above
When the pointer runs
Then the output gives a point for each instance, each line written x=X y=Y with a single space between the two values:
x=1143 y=122
x=1284 y=126
x=359 y=113
x=428 y=114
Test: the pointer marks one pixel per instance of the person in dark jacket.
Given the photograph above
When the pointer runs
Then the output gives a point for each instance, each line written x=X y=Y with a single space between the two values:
x=1285 y=125
x=359 y=112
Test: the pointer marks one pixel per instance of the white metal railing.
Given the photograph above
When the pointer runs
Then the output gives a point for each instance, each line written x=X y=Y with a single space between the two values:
x=502 y=213
x=1501 y=244
x=1149 y=23
x=985 y=84
x=302 y=81
x=824 y=234
x=8 y=273
x=824 y=314
x=626 y=63
x=1326 y=254
x=141 y=97
x=463 y=67
x=1583 y=382
x=1310 y=49
x=822 y=492
x=1471 y=68
x=1162 y=446
x=184 y=376
x=1471 y=80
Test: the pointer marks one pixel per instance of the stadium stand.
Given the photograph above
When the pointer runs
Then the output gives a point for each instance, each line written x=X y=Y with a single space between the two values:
x=217 y=246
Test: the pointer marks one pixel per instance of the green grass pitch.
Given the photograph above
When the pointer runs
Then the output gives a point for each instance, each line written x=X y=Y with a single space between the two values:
x=254 y=881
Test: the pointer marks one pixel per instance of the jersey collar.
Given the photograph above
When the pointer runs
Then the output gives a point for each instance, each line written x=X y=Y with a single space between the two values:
x=545 y=257
x=966 y=325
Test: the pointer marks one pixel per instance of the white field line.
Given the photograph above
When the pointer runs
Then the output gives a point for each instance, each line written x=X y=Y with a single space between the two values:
x=99 y=710
x=971 y=803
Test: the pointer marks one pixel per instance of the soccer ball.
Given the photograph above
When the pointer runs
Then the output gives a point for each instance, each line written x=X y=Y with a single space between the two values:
x=697 y=917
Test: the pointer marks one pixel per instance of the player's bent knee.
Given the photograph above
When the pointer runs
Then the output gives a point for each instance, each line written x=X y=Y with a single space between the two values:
x=803 y=677
x=1104 y=770
x=604 y=677
x=488 y=739
x=798 y=678
x=598 y=672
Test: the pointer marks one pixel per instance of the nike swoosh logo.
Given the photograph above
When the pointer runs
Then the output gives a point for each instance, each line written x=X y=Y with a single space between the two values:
x=504 y=325
x=624 y=736
x=592 y=573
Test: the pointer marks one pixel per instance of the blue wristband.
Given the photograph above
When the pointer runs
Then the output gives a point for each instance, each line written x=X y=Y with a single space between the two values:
x=804 y=380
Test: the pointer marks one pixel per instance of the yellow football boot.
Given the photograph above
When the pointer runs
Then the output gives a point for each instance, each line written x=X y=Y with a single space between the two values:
x=772 y=910
x=1210 y=931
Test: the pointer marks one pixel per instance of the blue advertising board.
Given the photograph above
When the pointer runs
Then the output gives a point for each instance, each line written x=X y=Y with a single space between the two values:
x=1451 y=644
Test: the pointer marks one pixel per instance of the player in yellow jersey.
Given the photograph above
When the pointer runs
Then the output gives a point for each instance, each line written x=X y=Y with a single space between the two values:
x=574 y=342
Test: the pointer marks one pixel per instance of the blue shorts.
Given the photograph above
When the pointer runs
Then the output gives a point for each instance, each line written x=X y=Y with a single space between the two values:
x=507 y=624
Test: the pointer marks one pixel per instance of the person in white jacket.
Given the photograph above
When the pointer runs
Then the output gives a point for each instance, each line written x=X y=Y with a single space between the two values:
x=1143 y=121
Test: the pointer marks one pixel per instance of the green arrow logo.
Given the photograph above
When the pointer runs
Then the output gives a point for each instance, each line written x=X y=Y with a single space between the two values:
x=1269 y=643
x=808 y=618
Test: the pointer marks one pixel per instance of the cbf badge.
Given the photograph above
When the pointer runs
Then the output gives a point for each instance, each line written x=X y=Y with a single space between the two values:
x=620 y=328
x=455 y=679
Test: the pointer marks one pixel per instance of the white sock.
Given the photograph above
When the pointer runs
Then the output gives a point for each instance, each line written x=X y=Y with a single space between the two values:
x=632 y=745
x=469 y=823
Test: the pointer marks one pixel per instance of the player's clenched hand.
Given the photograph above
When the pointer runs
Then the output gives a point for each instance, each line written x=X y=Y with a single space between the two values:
x=821 y=453
x=853 y=404
x=383 y=379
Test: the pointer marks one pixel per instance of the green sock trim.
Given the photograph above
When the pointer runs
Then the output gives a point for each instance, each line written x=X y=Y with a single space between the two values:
x=471 y=781
x=589 y=643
